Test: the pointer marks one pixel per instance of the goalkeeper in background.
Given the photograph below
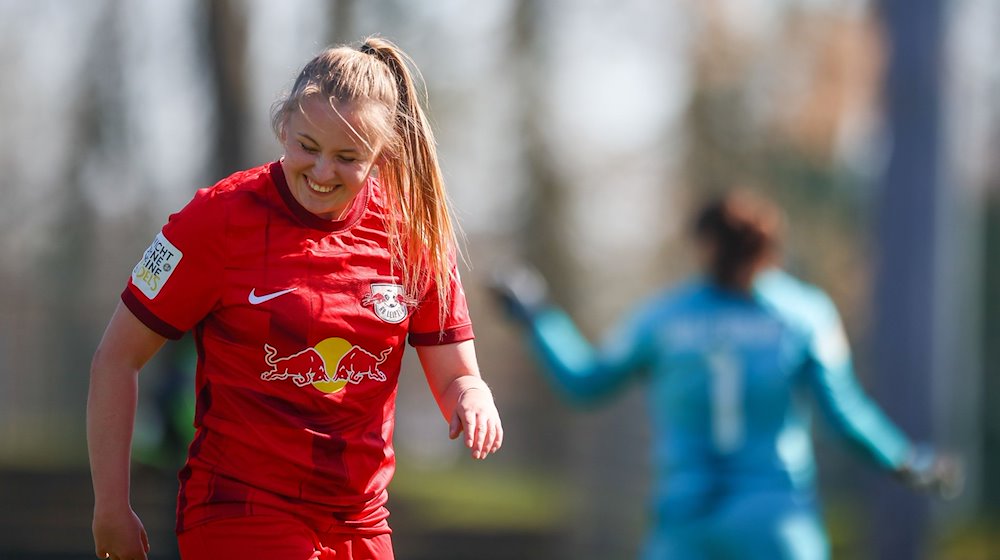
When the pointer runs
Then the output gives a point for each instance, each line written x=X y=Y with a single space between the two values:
x=730 y=361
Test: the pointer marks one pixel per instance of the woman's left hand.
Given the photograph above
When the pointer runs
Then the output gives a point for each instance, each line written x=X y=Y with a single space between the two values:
x=476 y=414
x=465 y=400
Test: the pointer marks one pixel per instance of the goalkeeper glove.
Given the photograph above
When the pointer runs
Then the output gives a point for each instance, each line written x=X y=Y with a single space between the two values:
x=939 y=473
x=520 y=290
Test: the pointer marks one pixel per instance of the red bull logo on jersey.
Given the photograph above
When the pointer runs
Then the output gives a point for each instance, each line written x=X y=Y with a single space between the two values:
x=388 y=302
x=328 y=367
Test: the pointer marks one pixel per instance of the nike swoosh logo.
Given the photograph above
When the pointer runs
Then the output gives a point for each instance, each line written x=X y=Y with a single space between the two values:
x=254 y=299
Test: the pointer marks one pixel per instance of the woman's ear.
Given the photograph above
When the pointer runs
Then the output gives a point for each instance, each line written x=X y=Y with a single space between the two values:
x=283 y=130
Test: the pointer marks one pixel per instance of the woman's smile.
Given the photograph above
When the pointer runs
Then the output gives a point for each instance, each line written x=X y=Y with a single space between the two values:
x=316 y=187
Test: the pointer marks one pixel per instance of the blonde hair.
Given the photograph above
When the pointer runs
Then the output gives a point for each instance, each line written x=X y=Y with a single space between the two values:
x=377 y=76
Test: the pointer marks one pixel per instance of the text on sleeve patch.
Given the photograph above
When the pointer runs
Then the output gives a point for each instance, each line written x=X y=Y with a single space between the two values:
x=156 y=266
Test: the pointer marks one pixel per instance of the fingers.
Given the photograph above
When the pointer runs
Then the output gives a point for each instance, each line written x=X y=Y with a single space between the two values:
x=110 y=556
x=480 y=438
x=950 y=474
x=455 y=426
x=106 y=551
x=469 y=425
x=494 y=437
x=939 y=473
x=115 y=536
x=138 y=555
x=489 y=436
x=483 y=432
x=476 y=414
x=498 y=438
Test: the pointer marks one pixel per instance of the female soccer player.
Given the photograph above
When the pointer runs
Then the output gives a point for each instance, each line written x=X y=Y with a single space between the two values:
x=301 y=279
x=727 y=359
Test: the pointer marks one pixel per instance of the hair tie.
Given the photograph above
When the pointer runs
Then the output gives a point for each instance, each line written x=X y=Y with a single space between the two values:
x=368 y=49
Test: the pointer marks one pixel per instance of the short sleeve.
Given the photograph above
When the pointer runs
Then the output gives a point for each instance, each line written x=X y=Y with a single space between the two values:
x=178 y=278
x=426 y=325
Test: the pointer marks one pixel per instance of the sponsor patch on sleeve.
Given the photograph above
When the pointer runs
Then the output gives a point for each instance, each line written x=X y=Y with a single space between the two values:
x=156 y=266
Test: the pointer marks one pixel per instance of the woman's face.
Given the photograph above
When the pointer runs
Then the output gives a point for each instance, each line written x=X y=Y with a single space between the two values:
x=326 y=162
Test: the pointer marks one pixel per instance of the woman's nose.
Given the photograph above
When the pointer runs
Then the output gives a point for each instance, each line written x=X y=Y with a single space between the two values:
x=324 y=170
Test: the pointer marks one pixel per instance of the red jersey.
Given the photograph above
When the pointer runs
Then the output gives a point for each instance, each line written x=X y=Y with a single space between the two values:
x=300 y=327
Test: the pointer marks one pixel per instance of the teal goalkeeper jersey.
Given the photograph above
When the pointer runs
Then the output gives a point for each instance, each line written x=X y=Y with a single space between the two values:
x=731 y=380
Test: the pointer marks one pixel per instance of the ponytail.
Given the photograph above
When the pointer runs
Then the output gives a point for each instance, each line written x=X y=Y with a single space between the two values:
x=422 y=237
x=423 y=234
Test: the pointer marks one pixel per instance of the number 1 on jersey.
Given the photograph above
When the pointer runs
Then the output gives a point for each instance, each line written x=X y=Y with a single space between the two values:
x=726 y=401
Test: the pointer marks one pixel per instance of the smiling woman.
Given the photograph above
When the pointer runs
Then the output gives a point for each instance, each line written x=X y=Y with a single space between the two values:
x=327 y=160
x=338 y=269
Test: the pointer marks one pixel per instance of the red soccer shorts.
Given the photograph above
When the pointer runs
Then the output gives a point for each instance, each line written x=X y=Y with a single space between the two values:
x=276 y=535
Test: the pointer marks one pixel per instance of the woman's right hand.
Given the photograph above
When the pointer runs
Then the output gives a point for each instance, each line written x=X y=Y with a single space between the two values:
x=120 y=535
x=928 y=470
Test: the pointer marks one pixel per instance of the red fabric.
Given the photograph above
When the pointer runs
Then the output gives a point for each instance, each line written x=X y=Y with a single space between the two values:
x=272 y=536
x=300 y=339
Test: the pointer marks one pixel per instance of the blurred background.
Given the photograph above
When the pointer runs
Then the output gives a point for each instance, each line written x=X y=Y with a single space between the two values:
x=577 y=135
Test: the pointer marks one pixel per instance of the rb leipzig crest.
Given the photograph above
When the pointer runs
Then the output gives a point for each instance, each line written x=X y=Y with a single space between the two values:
x=388 y=302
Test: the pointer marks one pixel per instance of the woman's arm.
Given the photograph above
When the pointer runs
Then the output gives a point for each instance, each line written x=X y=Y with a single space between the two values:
x=126 y=346
x=846 y=406
x=463 y=397
x=567 y=357
x=855 y=417
x=572 y=364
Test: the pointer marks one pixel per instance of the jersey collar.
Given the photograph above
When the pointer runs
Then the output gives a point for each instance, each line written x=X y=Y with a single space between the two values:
x=311 y=220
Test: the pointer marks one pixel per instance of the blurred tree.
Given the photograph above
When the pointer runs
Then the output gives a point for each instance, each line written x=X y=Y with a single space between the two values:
x=68 y=267
x=226 y=46
x=601 y=453
x=340 y=28
x=542 y=236
x=772 y=109
x=541 y=241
